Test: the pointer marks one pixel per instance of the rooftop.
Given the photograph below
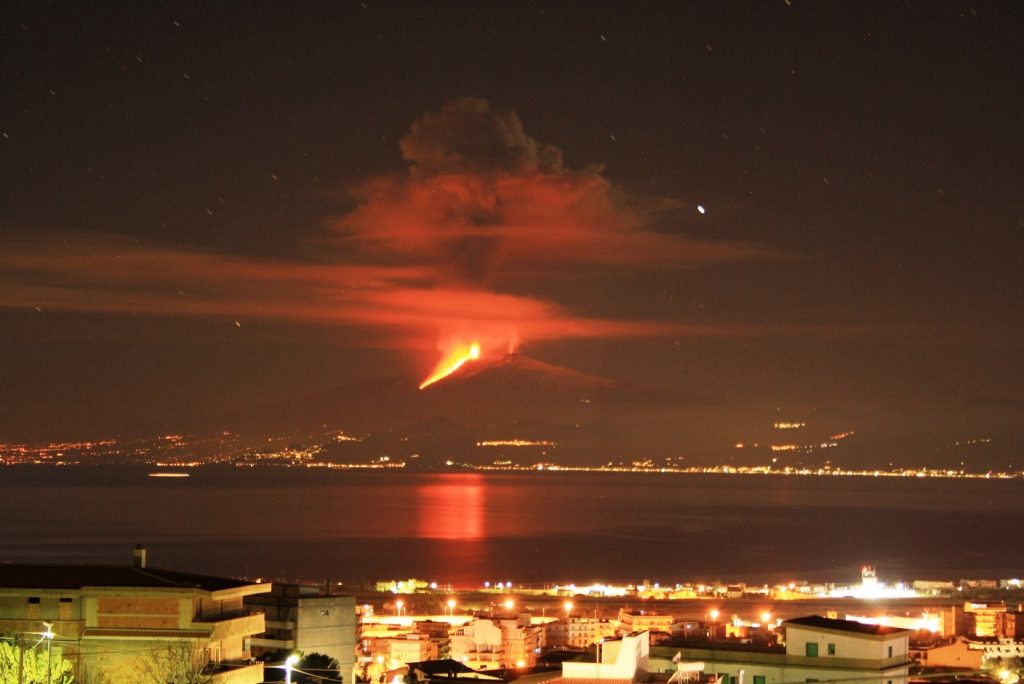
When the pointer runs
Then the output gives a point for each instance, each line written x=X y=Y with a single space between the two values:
x=849 y=626
x=447 y=668
x=33 y=576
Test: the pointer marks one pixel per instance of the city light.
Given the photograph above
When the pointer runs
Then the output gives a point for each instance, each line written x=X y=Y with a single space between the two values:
x=289 y=663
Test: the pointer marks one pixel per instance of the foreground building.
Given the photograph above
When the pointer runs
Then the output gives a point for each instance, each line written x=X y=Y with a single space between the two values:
x=302 y=618
x=817 y=649
x=133 y=623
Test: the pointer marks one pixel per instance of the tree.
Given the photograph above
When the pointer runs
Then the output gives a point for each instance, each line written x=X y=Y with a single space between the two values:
x=35 y=665
x=320 y=668
x=179 y=662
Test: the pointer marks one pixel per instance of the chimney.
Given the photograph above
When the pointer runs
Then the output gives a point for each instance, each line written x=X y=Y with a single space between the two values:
x=139 y=559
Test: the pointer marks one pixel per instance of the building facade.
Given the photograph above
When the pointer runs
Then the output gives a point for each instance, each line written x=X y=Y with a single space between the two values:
x=130 y=623
x=479 y=645
x=300 y=618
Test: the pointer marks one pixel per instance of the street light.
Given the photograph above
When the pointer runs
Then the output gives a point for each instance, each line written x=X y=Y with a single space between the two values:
x=568 y=608
x=766 y=618
x=509 y=604
x=398 y=607
x=48 y=635
x=289 y=662
x=451 y=607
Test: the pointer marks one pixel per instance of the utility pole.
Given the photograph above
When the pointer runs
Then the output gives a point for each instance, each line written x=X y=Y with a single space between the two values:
x=21 y=659
x=49 y=641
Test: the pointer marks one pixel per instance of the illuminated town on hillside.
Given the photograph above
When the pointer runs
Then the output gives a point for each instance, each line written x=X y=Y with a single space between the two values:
x=185 y=451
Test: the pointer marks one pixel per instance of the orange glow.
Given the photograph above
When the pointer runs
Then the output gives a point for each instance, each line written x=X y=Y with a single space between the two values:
x=452 y=507
x=452 y=362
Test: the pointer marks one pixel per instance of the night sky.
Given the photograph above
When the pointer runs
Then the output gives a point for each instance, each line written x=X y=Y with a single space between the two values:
x=782 y=209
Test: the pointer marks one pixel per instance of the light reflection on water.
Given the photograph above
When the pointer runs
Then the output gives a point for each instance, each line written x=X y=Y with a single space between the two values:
x=451 y=507
x=471 y=527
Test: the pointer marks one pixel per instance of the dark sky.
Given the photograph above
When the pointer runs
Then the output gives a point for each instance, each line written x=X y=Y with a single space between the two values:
x=215 y=205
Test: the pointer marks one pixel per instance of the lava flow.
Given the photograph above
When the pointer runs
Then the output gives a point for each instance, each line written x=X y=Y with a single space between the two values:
x=452 y=362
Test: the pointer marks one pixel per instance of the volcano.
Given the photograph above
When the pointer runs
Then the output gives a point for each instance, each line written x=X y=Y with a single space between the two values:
x=513 y=397
x=515 y=377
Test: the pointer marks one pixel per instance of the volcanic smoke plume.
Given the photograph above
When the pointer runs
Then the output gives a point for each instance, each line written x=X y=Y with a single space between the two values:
x=486 y=205
x=442 y=255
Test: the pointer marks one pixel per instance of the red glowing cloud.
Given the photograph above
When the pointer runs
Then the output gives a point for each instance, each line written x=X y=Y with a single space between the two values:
x=481 y=200
x=437 y=257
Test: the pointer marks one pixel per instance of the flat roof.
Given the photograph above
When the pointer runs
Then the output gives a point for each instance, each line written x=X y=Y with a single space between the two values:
x=850 y=626
x=38 y=576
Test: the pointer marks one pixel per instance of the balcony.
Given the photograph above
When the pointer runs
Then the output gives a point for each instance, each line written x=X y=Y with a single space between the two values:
x=246 y=624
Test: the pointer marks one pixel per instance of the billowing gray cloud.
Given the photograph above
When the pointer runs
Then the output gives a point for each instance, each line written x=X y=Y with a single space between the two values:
x=467 y=135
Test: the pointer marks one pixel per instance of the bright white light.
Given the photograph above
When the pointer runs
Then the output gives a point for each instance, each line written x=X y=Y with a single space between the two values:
x=701 y=209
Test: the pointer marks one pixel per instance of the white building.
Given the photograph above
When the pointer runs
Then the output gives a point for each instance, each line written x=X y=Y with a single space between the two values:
x=479 y=644
x=623 y=659
x=578 y=632
x=817 y=649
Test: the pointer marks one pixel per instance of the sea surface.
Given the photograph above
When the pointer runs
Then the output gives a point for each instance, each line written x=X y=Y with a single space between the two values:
x=538 y=527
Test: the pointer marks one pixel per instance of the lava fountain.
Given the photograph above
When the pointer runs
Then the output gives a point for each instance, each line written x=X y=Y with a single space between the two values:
x=452 y=362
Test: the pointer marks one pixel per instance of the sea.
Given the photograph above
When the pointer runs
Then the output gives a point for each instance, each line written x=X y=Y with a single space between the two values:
x=466 y=528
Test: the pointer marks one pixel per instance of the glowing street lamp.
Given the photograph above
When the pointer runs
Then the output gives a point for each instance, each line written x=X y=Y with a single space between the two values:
x=451 y=607
x=48 y=635
x=766 y=618
x=399 y=604
x=568 y=608
x=509 y=604
x=289 y=663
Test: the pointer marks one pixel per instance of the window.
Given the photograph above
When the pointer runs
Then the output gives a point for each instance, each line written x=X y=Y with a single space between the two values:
x=812 y=649
x=32 y=609
x=64 y=609
x=759 y=679
x=890 y=651
x=831 y=649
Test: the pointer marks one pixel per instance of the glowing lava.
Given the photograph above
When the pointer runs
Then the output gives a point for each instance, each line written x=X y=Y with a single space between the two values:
x=452 y=362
